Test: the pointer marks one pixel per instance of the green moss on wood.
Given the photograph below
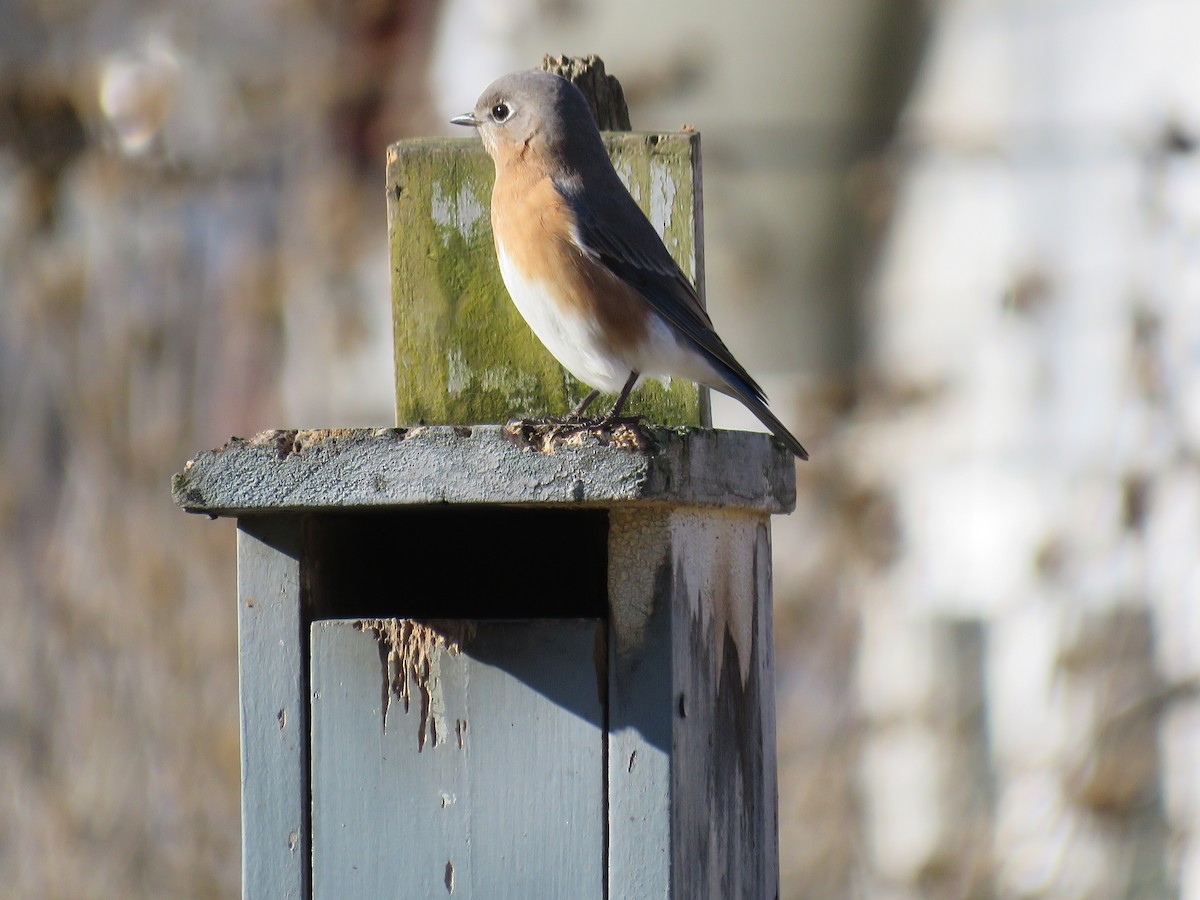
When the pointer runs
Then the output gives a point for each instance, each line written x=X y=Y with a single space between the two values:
x=463 y=353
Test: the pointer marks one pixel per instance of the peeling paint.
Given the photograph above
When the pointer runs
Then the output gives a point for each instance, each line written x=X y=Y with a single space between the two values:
x=433 y=701
x=462 y=377
x=410 y=653
x=625 y=172
x=662 y=196
x=458 y=372
x=455 y=211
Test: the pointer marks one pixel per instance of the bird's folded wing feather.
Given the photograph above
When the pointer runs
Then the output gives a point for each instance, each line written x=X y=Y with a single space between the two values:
x=636 y=254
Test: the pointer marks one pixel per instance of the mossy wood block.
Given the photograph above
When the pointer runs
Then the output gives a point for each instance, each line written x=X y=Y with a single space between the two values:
x=464 y=355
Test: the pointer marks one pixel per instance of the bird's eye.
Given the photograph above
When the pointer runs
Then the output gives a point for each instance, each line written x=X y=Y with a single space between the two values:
x=500 y=112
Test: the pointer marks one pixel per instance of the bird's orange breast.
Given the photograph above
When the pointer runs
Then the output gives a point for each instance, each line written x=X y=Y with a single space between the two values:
x=533 y=224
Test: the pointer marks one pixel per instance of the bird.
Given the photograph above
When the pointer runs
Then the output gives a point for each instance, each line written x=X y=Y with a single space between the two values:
x=582 y=263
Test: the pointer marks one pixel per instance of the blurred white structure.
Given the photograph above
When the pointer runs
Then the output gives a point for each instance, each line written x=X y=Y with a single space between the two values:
x=1038 y=297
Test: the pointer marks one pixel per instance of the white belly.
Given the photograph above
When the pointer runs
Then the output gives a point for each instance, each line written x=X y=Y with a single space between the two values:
x=576 y=342
x=573 y=339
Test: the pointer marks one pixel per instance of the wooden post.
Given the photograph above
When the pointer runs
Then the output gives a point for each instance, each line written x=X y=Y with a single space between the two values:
x=272 y=681
x=476 y=668
x=532 y=674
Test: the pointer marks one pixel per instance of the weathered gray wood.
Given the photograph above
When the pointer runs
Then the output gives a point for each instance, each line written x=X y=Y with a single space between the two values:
x=604 y=94
x=287 y=471
x=489 y=786
x=274 y=707
x=692 y=775
x=726 y=837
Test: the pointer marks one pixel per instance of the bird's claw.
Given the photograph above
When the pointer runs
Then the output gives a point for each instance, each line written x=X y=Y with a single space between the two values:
x=552 y=432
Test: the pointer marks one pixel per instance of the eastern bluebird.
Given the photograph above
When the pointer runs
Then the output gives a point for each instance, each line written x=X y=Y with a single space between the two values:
x=582 y=262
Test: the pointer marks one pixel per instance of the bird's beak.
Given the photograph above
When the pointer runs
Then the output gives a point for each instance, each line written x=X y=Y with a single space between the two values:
x=466 y=119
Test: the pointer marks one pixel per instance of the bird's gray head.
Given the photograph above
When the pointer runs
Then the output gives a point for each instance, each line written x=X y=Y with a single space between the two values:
x=534 y=109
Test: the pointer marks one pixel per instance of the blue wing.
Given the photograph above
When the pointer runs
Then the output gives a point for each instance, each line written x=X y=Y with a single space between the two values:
x=636 y=254
x=612 y=230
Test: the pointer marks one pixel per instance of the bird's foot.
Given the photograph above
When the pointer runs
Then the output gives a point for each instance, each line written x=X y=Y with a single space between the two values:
x=550 y=433
x=572 y=419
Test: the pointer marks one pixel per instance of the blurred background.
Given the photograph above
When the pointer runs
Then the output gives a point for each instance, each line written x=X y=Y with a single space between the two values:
x=959 y=241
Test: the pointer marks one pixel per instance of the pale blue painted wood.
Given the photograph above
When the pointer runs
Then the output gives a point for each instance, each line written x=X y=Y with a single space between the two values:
x=509 y=803
x=274 y=710
x=641 y=710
